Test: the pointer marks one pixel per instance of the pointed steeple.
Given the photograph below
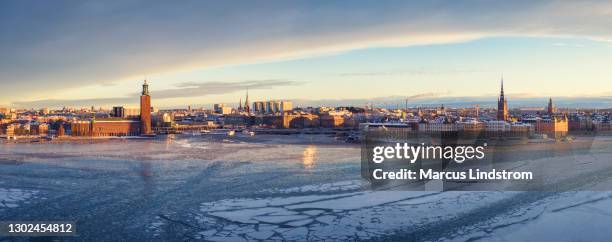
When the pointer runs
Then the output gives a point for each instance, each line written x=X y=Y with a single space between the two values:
x=246 y=102
x=502 y=104
x=240 y=105
x=502 y=85
x=551 y=107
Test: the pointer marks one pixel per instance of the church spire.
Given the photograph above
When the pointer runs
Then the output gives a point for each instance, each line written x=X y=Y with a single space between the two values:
x=502 y=104
x=502 y=85
x=551 y=107
x=246 y=102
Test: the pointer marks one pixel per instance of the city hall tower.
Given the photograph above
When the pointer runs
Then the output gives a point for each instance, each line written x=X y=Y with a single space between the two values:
x=145 y=110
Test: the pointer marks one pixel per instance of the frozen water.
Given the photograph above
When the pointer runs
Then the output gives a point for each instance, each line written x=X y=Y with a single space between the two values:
x=570 y=216
x=12 y=198
x=274 y=189
x=342 y=216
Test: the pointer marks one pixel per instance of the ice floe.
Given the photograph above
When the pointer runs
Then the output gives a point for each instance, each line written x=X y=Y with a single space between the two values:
x=347 y=214
x=12 y=198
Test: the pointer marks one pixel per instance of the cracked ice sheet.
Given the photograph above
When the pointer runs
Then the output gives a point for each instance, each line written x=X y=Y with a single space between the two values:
x=569 y=216
x=328 y=187
x=345 y=215
x=12 y=198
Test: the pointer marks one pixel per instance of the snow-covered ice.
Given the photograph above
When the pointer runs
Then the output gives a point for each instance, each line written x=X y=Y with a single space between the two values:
x=346 y=215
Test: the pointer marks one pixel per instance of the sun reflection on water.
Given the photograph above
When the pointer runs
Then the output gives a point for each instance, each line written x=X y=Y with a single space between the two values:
x=309 y=156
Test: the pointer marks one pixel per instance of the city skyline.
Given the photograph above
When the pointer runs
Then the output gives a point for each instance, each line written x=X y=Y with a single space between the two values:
x=94 y=54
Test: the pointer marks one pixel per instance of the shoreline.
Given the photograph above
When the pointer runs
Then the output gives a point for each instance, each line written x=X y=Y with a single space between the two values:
x=301 y=138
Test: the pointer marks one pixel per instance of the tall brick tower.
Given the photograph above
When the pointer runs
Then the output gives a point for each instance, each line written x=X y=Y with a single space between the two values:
x=145 y=110
x=502 y=105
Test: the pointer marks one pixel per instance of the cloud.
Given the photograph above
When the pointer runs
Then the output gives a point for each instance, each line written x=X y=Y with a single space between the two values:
x=413 y=72
x=194 y=89
x=568 y=45
x=425 y=95
x=52 y=45
x=185 y=89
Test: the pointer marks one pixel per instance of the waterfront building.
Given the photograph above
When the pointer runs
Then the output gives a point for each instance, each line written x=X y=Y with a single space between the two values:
x=471 y=126
x=332 y=121
x=555 y=127
x=498 y=126
x=80 y=128
x=602 y=126
x=10 y=131
x=124 y=123
x=163 y=119
x=39 y=129
x=434 y=127
x=296 y=121
x=61 y=131
x=521 y=128
x=581 y=123
x=145 y=110
x=386 y=131
x=106 y=127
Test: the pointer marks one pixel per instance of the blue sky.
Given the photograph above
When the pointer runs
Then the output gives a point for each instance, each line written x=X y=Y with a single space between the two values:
x=97 y=53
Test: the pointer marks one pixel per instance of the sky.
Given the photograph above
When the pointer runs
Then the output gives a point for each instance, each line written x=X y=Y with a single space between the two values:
x=83 y=53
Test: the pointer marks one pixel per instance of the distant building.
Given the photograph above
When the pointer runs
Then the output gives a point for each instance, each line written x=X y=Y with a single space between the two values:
x=5 y=111
x=550 y=109
x=602 y=126
x=10 y=131
x=296 y=121
x=220 y=108
x=332 y=121
x=122 y=124
x=531 y=110
x=471 y=126
x=247 y=108
x=235 y=119
x=61 y=131
x=39 y=129
x=498 y=126
x=502 y=105
x=271 y=107
x=437 y=127
x=123 y=112
x=554 y=127
x=106 y=127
